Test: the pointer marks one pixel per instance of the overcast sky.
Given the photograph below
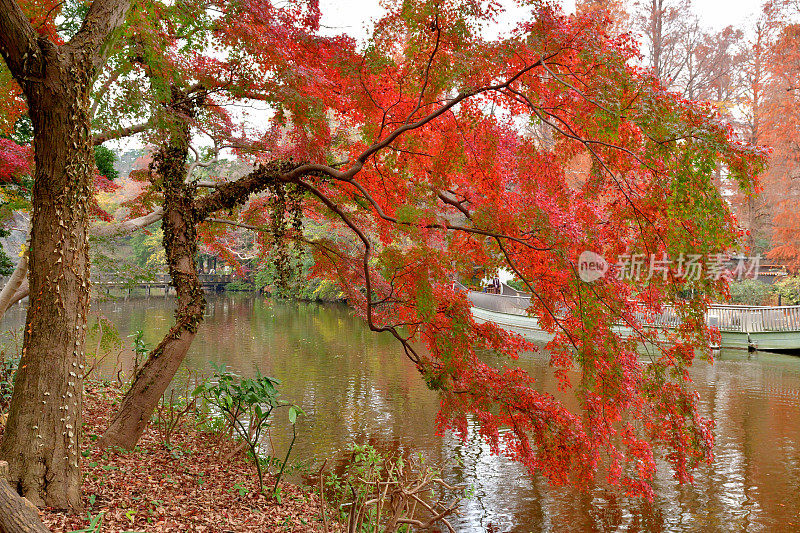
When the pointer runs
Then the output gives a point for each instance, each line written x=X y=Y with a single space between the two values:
x=352 y=16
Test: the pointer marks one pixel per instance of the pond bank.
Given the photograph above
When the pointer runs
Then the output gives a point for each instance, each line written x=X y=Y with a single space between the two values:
x=195 y=485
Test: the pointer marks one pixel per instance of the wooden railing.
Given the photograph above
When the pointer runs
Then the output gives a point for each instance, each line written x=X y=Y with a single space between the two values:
x=744 y=319
x=161 y=279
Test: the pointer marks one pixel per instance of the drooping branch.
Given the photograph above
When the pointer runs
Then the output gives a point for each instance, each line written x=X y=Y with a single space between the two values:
x=444 y=226
x=330 y=204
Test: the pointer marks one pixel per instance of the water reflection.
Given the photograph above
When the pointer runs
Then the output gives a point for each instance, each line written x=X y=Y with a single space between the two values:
x=357 y=387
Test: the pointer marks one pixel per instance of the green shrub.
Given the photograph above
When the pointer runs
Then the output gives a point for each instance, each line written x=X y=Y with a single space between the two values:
x=247 y=404
x=751 y=292
x=239 y=285
x=789 y=290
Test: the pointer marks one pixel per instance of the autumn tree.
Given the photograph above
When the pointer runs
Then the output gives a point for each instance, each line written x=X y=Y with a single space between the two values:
x=414 y=147
x=782 y=115
x=618 y=18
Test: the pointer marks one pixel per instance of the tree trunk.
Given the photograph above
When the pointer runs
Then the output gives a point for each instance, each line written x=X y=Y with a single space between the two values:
x=180 y=243
x=42 y=435
x=13 y=284
x=41 y=439
x=18 y=514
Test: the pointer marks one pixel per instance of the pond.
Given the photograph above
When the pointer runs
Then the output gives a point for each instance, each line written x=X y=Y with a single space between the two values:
x=357 y=387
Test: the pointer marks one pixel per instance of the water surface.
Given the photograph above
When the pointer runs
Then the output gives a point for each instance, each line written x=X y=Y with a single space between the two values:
x=357 y=387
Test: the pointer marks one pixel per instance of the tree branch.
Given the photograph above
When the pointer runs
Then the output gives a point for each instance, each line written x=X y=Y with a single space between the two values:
x=234 y=223
x=13 y=285
x=100 y=138
x=127 y=226
x=19 y=42
x=229 y=195
x=104 y=17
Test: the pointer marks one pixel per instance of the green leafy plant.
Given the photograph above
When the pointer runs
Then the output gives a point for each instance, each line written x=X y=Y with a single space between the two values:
x=140 y=350
x=95 y=524
x=104 y=158
x=243 y=491
x=239 y=285
x=750 y=292
x=789 y=290
x=247 y=405
x=173 y=406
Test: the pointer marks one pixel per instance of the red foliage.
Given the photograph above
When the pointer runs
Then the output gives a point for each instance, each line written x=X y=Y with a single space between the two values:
x=432 y=150
x=15 y=160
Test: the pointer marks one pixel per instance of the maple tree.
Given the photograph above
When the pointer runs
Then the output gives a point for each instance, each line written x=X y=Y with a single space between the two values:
x=417 y=150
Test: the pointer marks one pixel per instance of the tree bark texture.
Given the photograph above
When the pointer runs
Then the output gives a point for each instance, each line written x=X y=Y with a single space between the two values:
x=41 y=439
x=18 y=515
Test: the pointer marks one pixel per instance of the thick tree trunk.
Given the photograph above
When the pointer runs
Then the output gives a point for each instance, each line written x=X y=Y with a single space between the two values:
x=180 y=243
x=42 y=435
x=18 y=515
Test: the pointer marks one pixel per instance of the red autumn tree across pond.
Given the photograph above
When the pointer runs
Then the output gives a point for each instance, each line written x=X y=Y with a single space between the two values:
x=428 y=150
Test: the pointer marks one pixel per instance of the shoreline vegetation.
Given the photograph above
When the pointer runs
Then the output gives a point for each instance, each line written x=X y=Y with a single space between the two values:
x=201 y=482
